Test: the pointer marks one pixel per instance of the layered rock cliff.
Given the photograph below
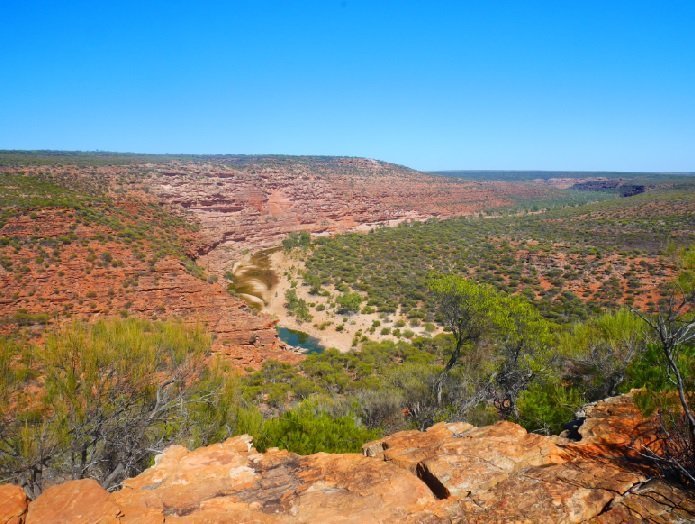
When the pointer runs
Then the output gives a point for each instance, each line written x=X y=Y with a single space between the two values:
x=57 y=268
x=248 y=203
x=60 y=262
x=449 y=473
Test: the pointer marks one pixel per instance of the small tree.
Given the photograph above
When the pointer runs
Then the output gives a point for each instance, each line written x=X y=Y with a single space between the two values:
x=467 y=309
x=349 y=302
x=110 y=394
x=27 y=440
x=602 y=349
x=300 y=239
x=296 y=306
x=673 y=328
x=525 y=348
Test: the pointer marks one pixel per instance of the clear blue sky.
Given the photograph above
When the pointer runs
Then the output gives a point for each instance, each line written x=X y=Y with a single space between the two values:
x=486 y=84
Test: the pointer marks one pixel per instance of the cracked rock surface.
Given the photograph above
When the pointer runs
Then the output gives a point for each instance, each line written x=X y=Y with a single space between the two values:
x=450 y=473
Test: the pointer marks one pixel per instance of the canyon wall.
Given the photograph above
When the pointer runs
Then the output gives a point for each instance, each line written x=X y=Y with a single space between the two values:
x=245 y=208
x=58 y=265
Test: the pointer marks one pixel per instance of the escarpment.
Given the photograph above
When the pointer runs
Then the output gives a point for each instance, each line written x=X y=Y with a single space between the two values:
x=249 y=203
x=90 y=258
x=254 y=206
x=450 y=473
x=109 y=240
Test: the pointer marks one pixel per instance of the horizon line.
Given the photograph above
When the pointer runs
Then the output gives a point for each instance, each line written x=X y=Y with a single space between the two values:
x=466 y=170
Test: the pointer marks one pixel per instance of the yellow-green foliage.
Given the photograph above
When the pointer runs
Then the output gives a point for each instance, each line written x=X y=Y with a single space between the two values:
x=602 y=350
x=308 y=429
x=94 y=398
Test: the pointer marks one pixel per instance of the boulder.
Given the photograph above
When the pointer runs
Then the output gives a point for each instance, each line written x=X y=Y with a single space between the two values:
x=74 y=502
x=13 y=504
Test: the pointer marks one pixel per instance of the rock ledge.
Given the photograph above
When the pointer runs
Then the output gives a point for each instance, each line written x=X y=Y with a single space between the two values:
x=450 y=473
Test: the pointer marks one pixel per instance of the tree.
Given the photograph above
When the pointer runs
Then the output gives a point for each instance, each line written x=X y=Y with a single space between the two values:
x=602 y=349
x=27 y=442
x=673 y=328
x=314 y=282
x=297 y=306
x=296 y=239
x=525 y=344
x=349 y=302
x=468 y=310
x=110 y=394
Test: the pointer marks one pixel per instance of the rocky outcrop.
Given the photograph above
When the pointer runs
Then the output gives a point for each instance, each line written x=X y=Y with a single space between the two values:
x=502 y=473
x=449 y=473
x=13 y=504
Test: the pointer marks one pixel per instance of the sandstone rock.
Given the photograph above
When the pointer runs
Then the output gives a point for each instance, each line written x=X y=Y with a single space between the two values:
x=449 y=473
x=462 y=460
x=242 y=483
x=76 y=501
x=653 y=501
x=616 y=422
x=13 y=504
x=502 y=473
x=163 y=290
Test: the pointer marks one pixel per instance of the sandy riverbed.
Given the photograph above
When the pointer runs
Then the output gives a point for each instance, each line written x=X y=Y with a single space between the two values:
x=288 y=267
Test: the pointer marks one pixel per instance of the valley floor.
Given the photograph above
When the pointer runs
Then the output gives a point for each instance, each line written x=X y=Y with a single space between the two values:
x=325 y=323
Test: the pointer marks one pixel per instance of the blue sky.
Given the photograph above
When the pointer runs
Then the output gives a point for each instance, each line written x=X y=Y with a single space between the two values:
x=487 y=84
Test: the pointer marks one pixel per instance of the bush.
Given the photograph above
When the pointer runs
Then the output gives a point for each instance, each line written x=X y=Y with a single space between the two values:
x=296 y=306
x=23 y=318
x=112 y=393
x=546 y=408
x=298 y=239
x=307 y=430
x=349 y=303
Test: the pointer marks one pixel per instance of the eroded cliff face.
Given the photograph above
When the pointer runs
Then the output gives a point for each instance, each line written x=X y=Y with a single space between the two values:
x=57 y=268
x=449 y=473
x=255 y=208
x=58 y=265
x=246 y=204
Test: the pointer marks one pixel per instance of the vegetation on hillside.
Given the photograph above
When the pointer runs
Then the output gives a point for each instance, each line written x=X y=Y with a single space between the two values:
x=98 y=400
x=540 y=314
x=569 y=262
x=37 y=204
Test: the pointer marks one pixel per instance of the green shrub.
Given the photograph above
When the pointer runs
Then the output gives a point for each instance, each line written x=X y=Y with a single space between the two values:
x=546 y=407
x=300 y=239
x=307 y=430
x=296 y=306
x=349 y=303
x=113 y=389
x=23 y=318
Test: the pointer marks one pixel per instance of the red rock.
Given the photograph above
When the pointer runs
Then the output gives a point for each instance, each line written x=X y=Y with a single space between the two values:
x=449 y=473
x=76 y=501
x=13 y=504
